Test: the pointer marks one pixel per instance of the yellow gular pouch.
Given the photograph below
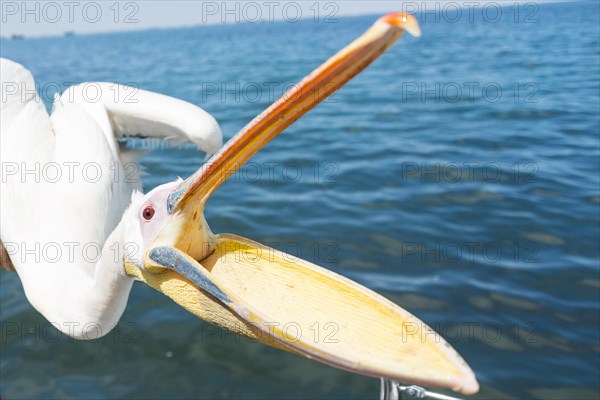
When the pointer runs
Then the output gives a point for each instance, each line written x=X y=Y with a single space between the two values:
x=276 y=300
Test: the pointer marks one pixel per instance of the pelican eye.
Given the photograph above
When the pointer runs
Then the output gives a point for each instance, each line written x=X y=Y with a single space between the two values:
x=148 y=213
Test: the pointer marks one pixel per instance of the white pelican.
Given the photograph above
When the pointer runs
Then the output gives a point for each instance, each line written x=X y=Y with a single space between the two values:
x=162 y=238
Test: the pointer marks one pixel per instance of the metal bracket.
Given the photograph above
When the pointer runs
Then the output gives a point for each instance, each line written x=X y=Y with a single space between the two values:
x=391 y=390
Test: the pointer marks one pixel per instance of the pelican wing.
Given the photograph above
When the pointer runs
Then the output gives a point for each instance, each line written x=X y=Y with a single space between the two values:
x=126 y=111
x=25 y=129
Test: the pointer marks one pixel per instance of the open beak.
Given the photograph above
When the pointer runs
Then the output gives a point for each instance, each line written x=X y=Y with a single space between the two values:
x=275 y=298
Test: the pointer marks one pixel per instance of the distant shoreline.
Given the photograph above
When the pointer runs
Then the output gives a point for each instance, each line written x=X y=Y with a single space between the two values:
x=72 y=29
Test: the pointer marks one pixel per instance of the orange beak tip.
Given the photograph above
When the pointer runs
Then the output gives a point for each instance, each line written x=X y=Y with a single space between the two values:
x=403 y=21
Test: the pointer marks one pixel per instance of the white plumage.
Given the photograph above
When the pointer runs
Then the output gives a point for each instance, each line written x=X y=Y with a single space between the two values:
x=66 y=187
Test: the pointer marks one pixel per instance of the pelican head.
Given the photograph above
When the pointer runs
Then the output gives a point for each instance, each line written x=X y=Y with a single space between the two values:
x=259 y=292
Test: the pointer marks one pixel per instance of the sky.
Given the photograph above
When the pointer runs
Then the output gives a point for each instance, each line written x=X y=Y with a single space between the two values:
x=44 y=18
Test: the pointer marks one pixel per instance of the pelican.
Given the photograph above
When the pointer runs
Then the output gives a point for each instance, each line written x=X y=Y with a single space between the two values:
x=162 y=238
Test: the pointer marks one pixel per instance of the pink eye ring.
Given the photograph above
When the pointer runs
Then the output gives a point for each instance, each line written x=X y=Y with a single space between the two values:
x=148 y=213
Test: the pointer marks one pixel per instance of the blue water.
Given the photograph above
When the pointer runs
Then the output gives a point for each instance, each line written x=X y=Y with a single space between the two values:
x=477 y=210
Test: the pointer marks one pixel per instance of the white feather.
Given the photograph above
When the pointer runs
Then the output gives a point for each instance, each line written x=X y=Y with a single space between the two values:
x=83 y=208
